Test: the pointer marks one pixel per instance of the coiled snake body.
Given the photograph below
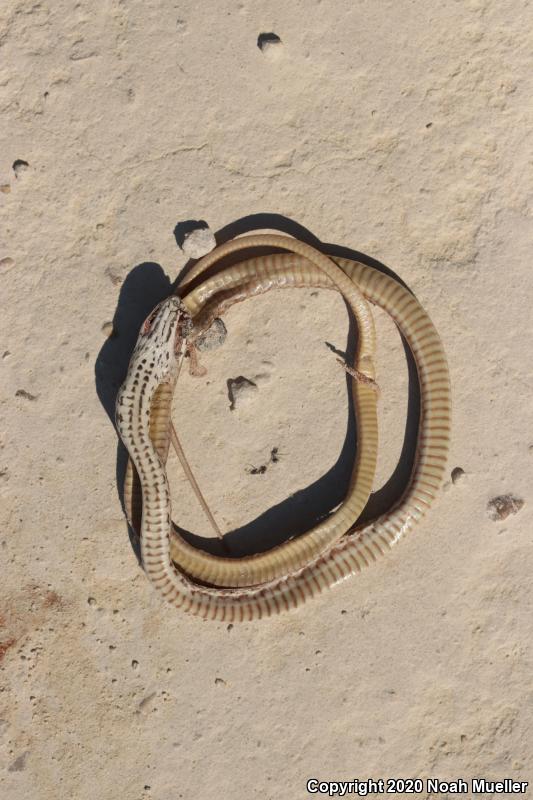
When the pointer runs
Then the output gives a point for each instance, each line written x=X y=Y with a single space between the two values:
x=288 y=575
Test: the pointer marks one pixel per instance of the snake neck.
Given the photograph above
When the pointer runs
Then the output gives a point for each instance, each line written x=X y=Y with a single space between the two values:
x=133 y=422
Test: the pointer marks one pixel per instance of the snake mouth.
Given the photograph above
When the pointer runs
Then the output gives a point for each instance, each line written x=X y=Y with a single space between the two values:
x=149 y=321
x=175 y=309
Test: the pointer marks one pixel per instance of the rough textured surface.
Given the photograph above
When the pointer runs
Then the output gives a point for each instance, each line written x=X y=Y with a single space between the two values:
x=198 y=243
x=213 y=338
x=401 y=130
x=501 y=507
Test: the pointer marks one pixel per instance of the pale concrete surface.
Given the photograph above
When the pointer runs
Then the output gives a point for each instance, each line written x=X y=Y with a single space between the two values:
x=399 y=129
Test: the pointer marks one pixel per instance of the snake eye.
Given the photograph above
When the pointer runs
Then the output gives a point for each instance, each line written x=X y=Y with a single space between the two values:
x=149 y=321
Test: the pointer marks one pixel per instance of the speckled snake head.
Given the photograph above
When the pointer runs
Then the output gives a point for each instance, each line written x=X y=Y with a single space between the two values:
x=161 y=341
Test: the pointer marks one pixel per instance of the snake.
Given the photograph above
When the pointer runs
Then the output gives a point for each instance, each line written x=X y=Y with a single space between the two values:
x=142 y=416
x=297 y=552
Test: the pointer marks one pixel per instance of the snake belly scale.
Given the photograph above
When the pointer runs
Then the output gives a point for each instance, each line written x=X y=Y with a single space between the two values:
x=282 y=578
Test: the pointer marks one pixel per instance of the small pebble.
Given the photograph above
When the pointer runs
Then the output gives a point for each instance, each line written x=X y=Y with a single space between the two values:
x=270 y=45
x=502 y=506
x=240 y=390
x=214 y=337
x=198 y=242
x=108 y=329
x=20 y=166
x=5 y=188
x=457 y=474
x=134 y=664
x=91 y=601
x=26 y=395
x=6 y=264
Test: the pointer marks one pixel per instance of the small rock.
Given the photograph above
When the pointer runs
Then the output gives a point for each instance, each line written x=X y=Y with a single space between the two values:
x=108 y=329
x=5 y=188
x=220 y=682
x=457 y=474
x=91 y=601
x=270 y=45
x=20 y=166
x=214 y=337
x=502 y=506
x=6 y=264
x=135 y=664
x=26 y=395
x=198 y=242
x=240 y=390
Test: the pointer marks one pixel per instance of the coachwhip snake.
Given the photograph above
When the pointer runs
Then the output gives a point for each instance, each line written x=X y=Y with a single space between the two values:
x=287 y=575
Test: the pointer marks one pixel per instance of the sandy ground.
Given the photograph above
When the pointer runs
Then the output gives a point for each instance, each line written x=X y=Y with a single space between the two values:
x=398 y=129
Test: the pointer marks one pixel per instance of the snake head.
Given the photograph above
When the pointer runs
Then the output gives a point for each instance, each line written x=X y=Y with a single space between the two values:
x=162 y=339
